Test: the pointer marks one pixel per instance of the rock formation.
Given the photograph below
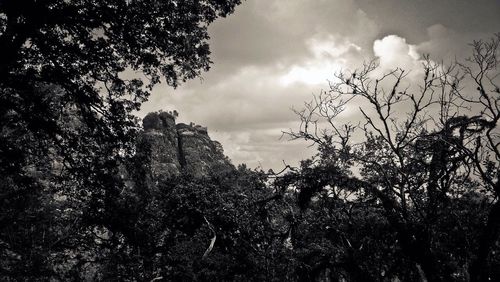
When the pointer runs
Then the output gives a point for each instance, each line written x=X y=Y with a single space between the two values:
x=174 y=148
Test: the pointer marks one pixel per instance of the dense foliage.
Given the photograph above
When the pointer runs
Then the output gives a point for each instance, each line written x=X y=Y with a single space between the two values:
x=409 y=194
x=67 y=92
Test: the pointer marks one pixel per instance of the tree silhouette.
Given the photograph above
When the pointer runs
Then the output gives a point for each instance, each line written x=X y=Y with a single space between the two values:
x=71 y=74
x=426 y=154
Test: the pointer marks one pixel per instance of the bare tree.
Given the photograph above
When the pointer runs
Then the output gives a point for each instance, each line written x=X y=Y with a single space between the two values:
x=418 y=148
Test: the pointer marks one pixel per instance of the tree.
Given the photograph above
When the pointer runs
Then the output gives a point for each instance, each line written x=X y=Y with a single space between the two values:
x=68 y=87
x=427 y=155
x=219 y=227
x=88 y=49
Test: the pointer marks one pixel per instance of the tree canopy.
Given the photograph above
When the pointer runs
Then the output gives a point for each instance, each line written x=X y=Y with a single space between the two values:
x=91 y=51
x=71 y=74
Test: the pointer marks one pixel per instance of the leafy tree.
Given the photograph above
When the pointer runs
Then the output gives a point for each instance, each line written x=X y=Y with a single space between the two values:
x=88 y=49
x=424 y=161
x=67 y=92
x=220 y=228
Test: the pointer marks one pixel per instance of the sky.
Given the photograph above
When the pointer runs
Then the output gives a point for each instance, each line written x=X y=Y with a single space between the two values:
x=271 y=56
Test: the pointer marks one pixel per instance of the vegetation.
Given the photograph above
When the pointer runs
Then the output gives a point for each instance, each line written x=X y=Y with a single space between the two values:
x=66 y=98
x=411 y=192
x=422 y=166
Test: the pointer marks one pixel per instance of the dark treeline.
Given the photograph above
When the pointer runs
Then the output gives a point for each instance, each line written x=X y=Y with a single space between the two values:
x=410 y=193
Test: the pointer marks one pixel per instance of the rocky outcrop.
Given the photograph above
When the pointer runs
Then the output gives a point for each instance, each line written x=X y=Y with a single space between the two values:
x=174 y=148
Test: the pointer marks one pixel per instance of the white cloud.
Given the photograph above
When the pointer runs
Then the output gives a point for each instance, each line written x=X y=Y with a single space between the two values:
x=394 y=52
x=328 y=56
x=323 y=45
x=272 y=55
x=311 y=73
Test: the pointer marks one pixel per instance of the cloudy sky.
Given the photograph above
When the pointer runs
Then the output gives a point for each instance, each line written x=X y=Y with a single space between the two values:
x=272 y=55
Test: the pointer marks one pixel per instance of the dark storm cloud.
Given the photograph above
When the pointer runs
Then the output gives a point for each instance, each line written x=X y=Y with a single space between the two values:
x=250 y=38
x=410 y=19
x=267 y=32
x=271 y=55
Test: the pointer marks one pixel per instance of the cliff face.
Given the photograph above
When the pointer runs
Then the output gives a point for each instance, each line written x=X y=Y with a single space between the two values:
x=174 y=148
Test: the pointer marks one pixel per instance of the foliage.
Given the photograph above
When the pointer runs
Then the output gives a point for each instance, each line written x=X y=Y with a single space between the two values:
x=424 y=161
x=67 y=92
x=409 y=193
x=164 y=232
